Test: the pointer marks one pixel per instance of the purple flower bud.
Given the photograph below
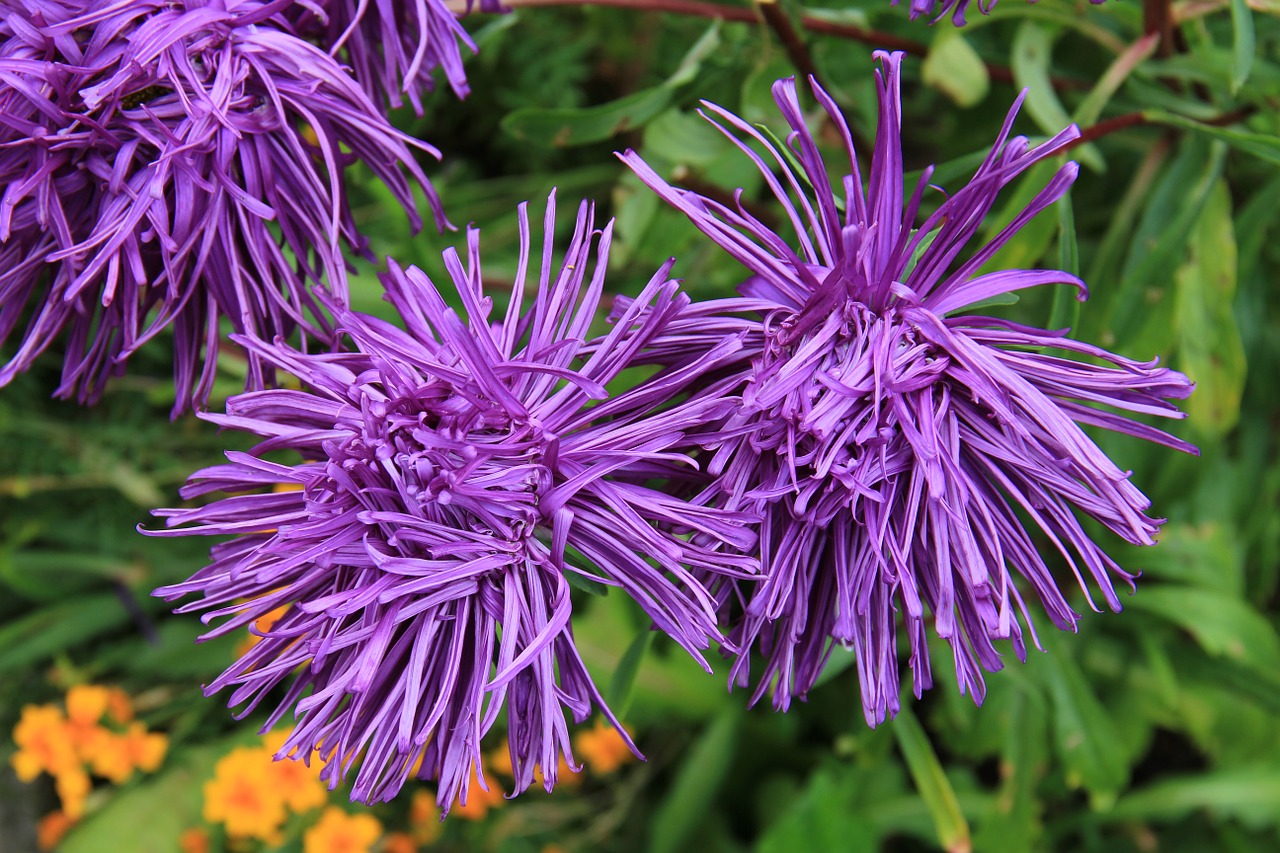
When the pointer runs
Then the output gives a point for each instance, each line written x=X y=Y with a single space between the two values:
x=450 y=477
x=896 y=448
x=174 y=164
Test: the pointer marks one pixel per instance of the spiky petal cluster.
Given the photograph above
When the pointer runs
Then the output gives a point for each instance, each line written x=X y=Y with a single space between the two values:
x=392 y=46
x=894 y=446
x=174 y=163
x=937 y=9
x=452 y=477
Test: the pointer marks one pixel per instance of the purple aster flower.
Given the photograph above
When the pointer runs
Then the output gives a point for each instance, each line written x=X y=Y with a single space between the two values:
x=169 y=163
x=903 y=455
x=452 y=476
x=937 y=9
x=393 y=46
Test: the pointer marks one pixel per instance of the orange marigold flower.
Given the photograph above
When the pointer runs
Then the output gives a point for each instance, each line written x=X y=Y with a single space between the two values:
x=119 y=705
x=51 y=828
x=298 y=783
x=194 y=840
x=603 y=748
x=43 y=746
x=118 y=756
x=424 y=816
x=86 y=704
x=399 y=842
x=243 y=797
x=479 y=801
x=340 y=832
x=73 y=788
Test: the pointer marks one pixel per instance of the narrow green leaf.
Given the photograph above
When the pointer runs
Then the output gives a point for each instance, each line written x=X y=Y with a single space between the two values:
x=1243 y=45
x=1260 y=145
x=954 y=68
x=1221 y=623
x=706 y=45
x=1084 y=735
x=42 y=634
x=565 y=126
x=825 y=816
x=1249 y=794
x=1065 y=312
x=932 y=783
x=52 y=575
x=1012 y=822
x=1113 y=78
x=696 y=784
x=623 y=682
x=1209 y=346
x=1144 y=300
x=1208 y=555
x=1031 y=59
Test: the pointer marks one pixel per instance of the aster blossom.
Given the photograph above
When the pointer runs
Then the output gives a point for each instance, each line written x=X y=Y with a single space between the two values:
x=938 y=9
x=454 y=474
x=892 y=441
x=393 y=47
x=174 y=164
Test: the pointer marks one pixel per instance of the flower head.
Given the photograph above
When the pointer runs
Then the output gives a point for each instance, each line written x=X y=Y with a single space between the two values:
x=937 y=9
x=394 y=48
x=173 y=164
x=454 y=475
x=339 y=832
x=244 y=797
x=893 y=445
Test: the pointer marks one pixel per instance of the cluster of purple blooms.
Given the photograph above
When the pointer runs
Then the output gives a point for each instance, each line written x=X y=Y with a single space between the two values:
x=181 y=162
x=846 y=450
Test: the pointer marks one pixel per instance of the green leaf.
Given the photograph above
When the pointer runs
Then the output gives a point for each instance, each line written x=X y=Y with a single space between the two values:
x=1065 y=312
x=561 y=127
x=1032 y=56
x=46 y=632
x=1209 y=345
x=825 y=816
x=696 y=784
x=1012 y=822
x=1144 y=301
x=1243 y=44
x=932 y=783
x=565 y=126
x=1209 y=555
x=1113 y=78
x=1260 y=145
x=1085 y=737
x=623 y=682
x=149 y=816
x=51 y=575
x=954 y=68
x=1248 y=794
x=1221 y=623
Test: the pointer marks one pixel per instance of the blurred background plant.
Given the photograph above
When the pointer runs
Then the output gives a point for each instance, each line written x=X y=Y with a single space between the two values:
x=1155 y=729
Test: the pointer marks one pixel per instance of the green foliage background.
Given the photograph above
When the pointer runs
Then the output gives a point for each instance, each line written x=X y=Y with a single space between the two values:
x=1154 y=729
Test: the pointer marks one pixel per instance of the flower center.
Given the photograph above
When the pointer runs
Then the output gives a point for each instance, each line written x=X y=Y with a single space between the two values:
x=456 y=463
